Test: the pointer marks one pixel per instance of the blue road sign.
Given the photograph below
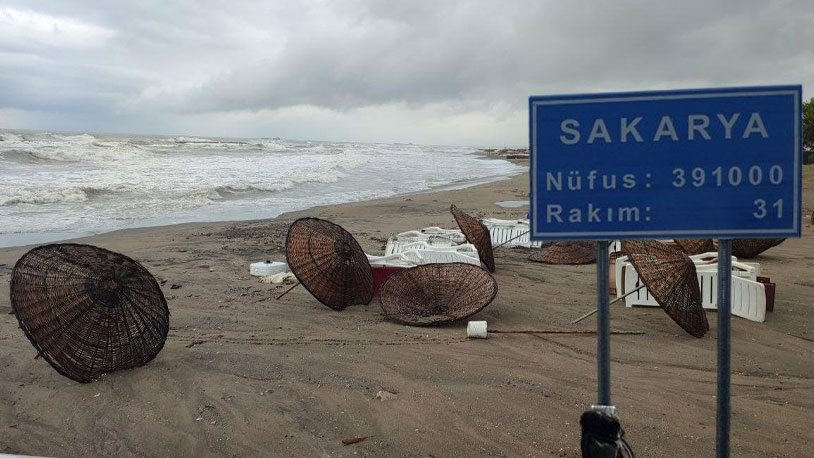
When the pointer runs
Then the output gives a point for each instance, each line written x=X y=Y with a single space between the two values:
x=708 y=163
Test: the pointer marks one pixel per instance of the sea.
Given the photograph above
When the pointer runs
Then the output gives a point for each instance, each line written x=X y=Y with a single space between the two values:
x=55 y=186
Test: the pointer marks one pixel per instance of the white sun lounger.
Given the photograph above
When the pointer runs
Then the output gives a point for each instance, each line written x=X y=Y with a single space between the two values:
x=397 y=243
x=510 y=232
x=391 y=260
x=748 y=295
x=422 y=253
x=453 y=234
x=419 y=253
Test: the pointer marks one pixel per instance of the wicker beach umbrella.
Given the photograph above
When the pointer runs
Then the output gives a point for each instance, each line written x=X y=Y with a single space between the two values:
x=434 y=294
x=88 y=311
x=695 y=246
x=329 y=262
x=567 y=253
x=477 y=234
x=750 y=248
x=670 y=277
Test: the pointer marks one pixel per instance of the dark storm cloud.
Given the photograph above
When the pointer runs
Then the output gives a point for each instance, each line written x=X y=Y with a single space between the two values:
x=187 y=58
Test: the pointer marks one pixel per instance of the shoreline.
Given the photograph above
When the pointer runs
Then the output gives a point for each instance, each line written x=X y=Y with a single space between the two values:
x=15 y=240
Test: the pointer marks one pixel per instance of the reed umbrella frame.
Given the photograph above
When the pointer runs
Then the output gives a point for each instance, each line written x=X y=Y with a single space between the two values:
x=350 y=250
x=477 y=234
x=111 y=291
x=687 y=279
x=695 y=246
x=751 y=248
x=424 y=280
x=582 y=253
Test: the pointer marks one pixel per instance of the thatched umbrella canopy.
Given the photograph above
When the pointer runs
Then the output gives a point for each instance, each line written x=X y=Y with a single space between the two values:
x=88 y=311
x=329 y=263
x=567 y=253
x=434 y=294
x=670 y=277
x=477 y=234
x=695 y=246
x=750 y=248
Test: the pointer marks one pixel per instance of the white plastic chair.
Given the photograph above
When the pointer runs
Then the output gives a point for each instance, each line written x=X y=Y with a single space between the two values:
x=748 y=295
x=510 y=232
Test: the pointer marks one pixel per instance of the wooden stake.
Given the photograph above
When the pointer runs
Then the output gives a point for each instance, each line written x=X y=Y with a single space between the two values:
x=609 y=304
x=559 y=331
x=287 y=291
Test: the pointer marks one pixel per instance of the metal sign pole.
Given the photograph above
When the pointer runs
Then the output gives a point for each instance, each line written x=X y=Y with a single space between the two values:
x=724 y=344
x=603 y=323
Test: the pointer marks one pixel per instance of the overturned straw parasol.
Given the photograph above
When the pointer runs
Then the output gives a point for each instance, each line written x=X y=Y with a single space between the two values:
x=329 y=263
x=566 y=253
x=750 y=248
x=477 y=234
x=88 y=311
x=434 y=294
x=695 y=246
x=670 y=277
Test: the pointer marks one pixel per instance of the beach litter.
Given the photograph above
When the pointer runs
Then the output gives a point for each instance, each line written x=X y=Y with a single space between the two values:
x=384 y=395
x=478 y=330
x=355 y=440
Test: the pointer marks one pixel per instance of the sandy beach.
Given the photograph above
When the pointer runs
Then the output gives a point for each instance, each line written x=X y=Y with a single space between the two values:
x=242 y=374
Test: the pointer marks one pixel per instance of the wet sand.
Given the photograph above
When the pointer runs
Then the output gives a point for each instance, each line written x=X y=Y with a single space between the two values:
x=245 y=375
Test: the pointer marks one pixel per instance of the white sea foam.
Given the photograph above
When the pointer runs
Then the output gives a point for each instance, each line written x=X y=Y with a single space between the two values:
x=80 y=183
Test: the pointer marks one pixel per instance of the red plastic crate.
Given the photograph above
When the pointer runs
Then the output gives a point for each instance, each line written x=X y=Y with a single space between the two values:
x=381 y=274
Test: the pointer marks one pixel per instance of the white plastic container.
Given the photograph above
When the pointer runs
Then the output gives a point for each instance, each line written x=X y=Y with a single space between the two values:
x=476 y=329
x=264 y=268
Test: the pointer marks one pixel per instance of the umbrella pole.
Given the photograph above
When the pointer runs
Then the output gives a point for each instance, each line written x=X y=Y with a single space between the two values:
x=288 y=290
x=609 y=304
x=603 y=323
x=724 y=344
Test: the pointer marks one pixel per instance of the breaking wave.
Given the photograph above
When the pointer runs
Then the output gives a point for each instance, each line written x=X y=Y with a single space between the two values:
x=236 y=191
x=51 y=196
x=67 y=148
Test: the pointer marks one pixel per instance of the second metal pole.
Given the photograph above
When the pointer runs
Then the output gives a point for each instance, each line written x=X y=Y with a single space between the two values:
x=603 y=323
x=724 y=343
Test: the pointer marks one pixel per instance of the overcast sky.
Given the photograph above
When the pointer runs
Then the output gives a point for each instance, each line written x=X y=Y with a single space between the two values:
x=434 y=71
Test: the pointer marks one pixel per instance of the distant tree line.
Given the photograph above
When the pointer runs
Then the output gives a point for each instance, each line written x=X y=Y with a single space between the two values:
x=808 y=132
